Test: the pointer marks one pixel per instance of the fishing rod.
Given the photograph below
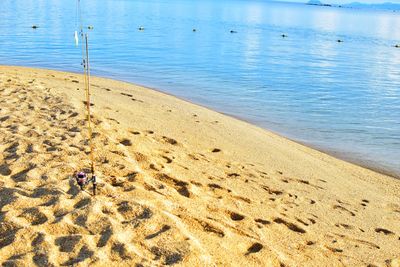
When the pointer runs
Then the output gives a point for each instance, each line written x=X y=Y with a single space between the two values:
x=83 y=178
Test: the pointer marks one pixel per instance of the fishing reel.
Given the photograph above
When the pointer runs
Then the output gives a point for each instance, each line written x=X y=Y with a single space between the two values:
x=83 y=180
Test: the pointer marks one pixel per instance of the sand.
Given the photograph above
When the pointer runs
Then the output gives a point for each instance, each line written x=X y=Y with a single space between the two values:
x=179 y=184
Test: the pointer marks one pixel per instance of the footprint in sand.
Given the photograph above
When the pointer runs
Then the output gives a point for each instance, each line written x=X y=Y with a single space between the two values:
x=156 y=166
x=169 y=140
x=38 y=245
x=7 y=234
x=310 y=243
x=117 y=181
x=345 y=226
x=125 y=94
x=105 y=236
x=34 y=216
x=344 y=209
x=169 y=257
x=120 y=153
x=168 y=160
x=41 y=259
x=139 y=157
x=114 y=120
x=85 y=103
x=133 y=213
x=38 y=240
x=3 y=119
x=240 y=198
x=126 y=142
x=215 y=186
x=210 y=228
x=262 y=221
x=135 y=132
x=233 y=175
x=254 y=248
x=120 y=250
x=302 y=221
x=165 y=228
x=81 y=220
x=235 y=216
x=82 y=203
x=290 y=226
x=5 y=169
x=67 y=243
x=312 y=220
x=336 y=250
x=180 y=186
x=84 y=253
x=364 y=202
x=131 y=177
x=12 y=151
x=384 y=231
x=21 y=176
x=272 y=191
x=193 y=157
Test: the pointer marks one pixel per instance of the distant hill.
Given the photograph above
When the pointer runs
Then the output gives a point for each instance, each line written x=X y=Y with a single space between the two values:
x=387 y=6
x=317 y=3
x=358 y=5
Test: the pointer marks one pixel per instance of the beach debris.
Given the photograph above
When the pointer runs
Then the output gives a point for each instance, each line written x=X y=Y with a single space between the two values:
x=339 y=41
x=90 y=27
x=284 y=35
x=35 y=26
x=141 y=28
x=232 y=31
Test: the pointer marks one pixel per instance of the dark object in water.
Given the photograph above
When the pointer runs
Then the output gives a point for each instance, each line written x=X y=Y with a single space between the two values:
x=90 y=27
x=35 y=26
x=194 y=30
x=397 y=45
x=232 y=31
x=339 y=41
x=141 y=28
x=284 y=35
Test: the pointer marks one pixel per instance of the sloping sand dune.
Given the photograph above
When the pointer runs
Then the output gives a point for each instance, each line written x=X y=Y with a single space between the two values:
x=178 y=184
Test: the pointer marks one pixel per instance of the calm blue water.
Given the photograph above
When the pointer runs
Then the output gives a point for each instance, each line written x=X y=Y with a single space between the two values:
x=340 y=97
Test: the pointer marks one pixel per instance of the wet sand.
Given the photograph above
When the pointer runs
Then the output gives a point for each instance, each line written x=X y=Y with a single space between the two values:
x=178 y=184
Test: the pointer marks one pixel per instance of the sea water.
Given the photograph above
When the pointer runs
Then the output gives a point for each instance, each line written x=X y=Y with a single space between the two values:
x=341 y=97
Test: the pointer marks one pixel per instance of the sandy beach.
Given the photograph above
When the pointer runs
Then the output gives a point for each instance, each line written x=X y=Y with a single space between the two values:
x=179 y=184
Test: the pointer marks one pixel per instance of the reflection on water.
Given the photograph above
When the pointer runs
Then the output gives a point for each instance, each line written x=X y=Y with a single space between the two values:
x=341 y=97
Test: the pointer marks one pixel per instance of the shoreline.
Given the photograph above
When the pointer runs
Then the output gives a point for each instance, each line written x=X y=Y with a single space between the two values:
x=178 y=184
x=373 y=166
